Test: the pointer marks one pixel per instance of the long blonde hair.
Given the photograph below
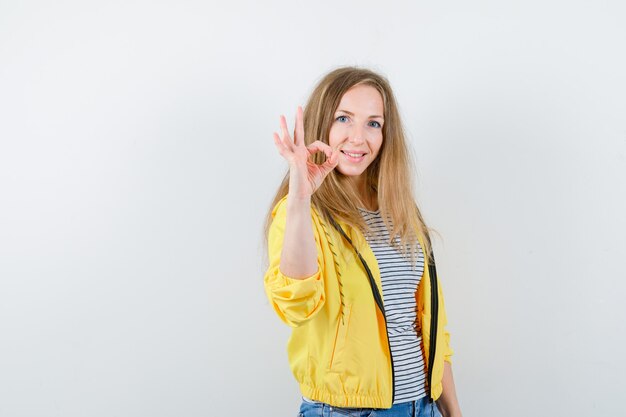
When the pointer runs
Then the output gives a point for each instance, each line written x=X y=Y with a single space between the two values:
x=389 y=175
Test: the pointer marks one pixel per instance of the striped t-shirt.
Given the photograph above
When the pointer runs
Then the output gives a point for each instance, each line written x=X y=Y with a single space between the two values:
x=400 y=282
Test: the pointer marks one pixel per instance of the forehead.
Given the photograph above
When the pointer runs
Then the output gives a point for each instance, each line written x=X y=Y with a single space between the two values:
x=362 y=99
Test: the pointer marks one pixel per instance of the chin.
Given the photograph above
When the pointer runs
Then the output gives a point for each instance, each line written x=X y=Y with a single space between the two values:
x=350 y=172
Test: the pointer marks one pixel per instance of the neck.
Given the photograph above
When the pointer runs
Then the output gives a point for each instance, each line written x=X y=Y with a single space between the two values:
x=369 y=198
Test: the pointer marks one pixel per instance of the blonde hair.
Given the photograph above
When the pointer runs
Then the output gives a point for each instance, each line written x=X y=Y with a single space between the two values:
x=389 y=175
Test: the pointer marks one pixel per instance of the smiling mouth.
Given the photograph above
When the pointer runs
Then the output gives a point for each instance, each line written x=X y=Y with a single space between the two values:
x=353 y=155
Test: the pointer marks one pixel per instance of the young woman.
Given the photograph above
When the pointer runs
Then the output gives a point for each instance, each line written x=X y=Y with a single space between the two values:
x=351 y=268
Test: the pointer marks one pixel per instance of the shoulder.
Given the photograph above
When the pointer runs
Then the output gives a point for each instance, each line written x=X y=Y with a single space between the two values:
x=280 y=207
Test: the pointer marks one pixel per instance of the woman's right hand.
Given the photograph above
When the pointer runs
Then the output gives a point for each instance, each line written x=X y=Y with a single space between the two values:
x=305 y=176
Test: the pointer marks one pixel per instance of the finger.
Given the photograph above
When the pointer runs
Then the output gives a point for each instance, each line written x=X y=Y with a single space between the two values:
x=279 y=145
x=319 y=146
x=299 y=130
x=334 y=159
x=286 y=139
x=330 y=164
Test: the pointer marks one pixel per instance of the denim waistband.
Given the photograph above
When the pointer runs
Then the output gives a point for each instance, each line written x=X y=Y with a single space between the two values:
x=421 y=407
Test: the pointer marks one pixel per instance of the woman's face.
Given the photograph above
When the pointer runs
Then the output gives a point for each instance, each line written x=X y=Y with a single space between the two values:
x=358 y=129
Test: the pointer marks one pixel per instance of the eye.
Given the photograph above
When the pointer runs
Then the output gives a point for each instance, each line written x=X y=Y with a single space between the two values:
x=342 y=119
x=374 y=123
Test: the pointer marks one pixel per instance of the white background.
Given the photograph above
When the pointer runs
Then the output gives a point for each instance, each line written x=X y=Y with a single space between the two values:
x=137 y=165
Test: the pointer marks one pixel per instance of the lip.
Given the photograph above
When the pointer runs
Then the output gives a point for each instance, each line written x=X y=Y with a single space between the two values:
x=353 y=159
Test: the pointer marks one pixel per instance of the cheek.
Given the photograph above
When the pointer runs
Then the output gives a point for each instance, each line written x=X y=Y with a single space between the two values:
x=335 y=136
x=377 y=142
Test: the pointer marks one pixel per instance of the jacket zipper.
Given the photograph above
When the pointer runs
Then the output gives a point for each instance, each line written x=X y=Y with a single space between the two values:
x=379 y=303
x=377 y=298
x=434 y=310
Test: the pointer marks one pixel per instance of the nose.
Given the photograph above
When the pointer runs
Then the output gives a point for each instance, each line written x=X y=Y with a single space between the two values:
x=357 y=135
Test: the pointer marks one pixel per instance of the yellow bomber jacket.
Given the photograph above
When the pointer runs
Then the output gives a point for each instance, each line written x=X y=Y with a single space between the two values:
x=338 y=350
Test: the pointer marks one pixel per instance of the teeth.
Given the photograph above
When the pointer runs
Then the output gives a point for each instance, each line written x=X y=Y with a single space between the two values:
x=354 y=155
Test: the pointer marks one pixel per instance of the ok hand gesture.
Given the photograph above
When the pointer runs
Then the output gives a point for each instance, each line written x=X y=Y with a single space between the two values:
x=305 y=176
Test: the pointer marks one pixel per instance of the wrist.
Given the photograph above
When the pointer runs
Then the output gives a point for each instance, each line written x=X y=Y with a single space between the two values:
x=295 y=199
x=448 y=409
x=449 y=413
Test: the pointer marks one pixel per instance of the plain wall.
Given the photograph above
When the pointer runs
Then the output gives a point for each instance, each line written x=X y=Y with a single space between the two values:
x=137 y=166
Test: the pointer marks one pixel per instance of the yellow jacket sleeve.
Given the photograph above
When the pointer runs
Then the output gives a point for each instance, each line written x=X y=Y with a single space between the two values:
x=295 y=300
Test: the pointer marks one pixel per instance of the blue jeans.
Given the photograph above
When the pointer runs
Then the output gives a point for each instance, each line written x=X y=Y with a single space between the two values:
x=417 y=408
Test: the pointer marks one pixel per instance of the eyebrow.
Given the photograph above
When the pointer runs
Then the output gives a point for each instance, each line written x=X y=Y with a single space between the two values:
x=374 y=116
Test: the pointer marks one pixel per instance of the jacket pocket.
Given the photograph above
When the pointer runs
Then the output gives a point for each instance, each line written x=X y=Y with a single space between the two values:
x=336 y=357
